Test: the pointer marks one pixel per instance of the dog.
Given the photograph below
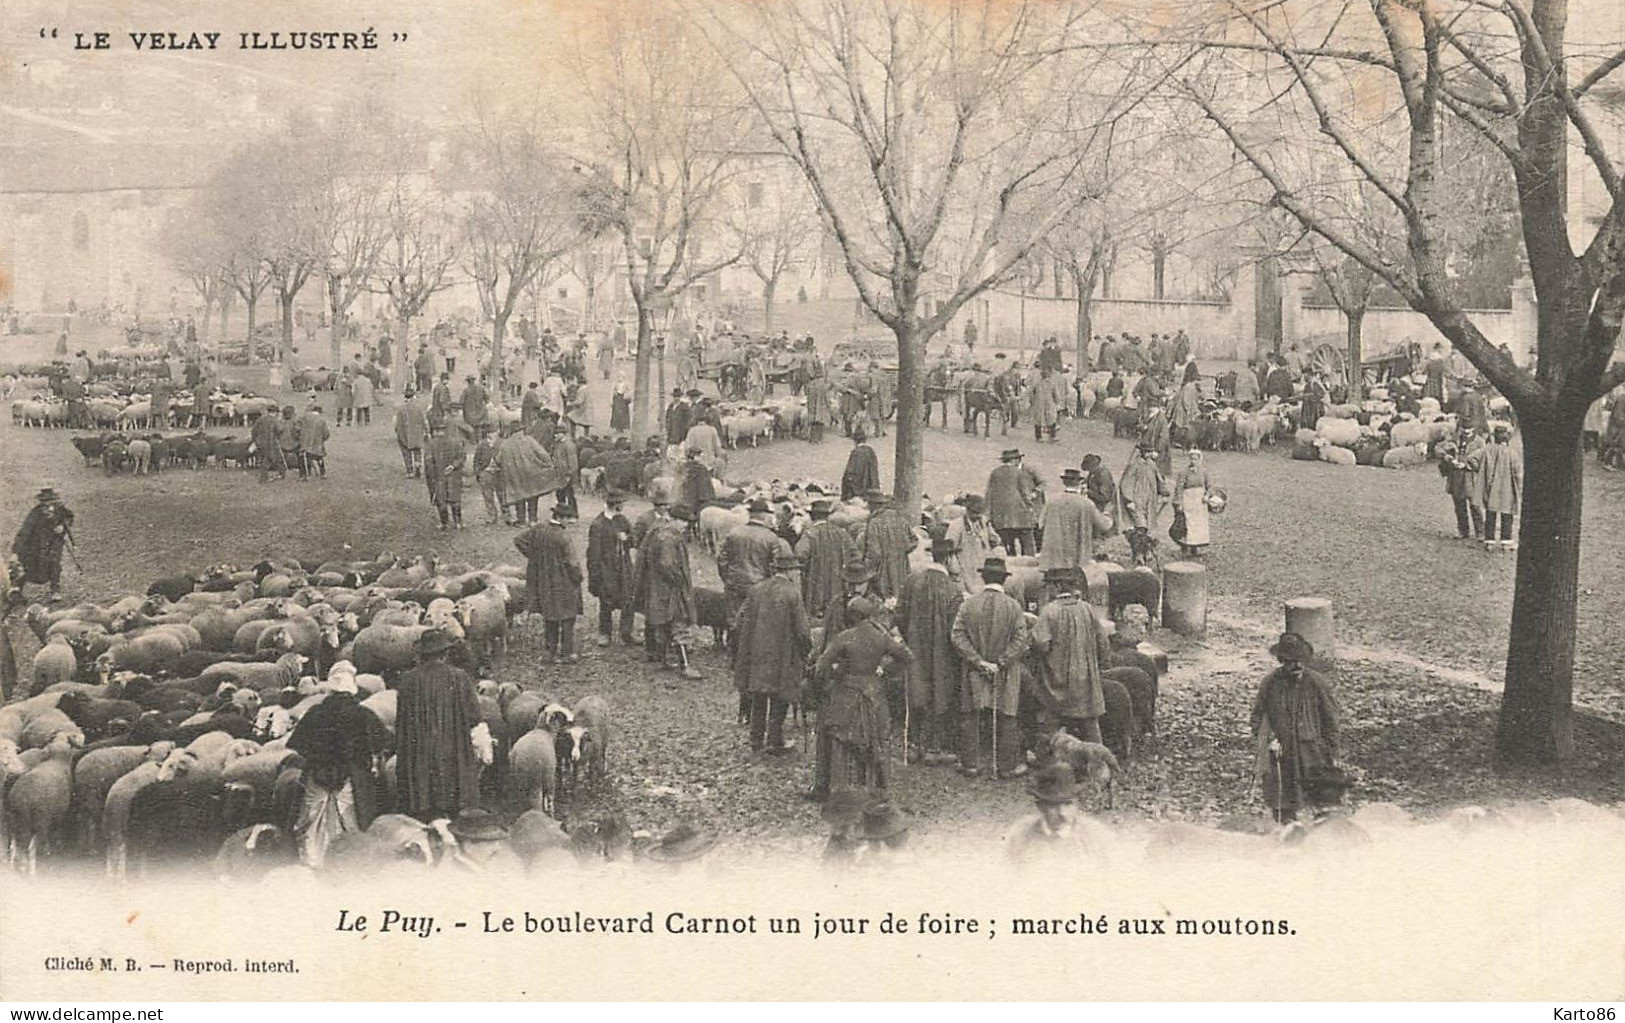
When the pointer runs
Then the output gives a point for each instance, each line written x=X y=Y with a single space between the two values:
x=1090 y=761
x=1143 y=549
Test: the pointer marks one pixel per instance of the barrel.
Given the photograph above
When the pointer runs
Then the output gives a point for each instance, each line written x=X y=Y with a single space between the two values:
x=1184 y=598
x=1312 y=618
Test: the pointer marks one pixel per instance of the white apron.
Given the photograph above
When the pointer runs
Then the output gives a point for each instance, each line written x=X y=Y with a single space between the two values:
x=1193 y=501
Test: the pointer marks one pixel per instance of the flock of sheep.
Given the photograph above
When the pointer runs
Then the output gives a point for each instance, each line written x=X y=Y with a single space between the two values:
x=157 y=726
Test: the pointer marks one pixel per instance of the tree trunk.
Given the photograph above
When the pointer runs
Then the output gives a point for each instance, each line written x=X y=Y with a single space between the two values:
x=768 y=288
x=253 y=307
x=203 y=324
x=1086 y=328
x=1536 y=723
x=403 y=350
x=286 y=348
x=499 y=328
x=335 y=339
x=910 y=457
x=1355 y=321
x=640 y=372
x=1159 y=273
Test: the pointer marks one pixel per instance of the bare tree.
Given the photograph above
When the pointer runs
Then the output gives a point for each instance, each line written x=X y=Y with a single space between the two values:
x=926 y=134
x=664 y=133
x=776 y=227
x=519 y=215
x=418 y=244
x=1508 y=72
x=228 y=211
x=197 y=253
x=349 y=219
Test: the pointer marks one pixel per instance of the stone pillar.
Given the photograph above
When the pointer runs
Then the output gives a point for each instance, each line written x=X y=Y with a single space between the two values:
x=1184 y=598
x=1313 y=619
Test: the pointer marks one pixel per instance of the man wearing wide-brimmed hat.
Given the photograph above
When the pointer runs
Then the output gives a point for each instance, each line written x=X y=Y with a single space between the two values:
x=1296 y=723
x=975 y=539
x=991 y=634
x=925 y=617
x=772 y=639
x=684 y=843
x=855 y=715
x=553 y=583
x=1014 y=500
x=887 y=542
x=666 y=586
x=482 y=844
x=1056 y=828
x=609 y=567
x=747 y=554
x=1071 y=525
x=1071 y=643
x=823 y=548
x=440 y=737
x=862 y=472
x=46 y=530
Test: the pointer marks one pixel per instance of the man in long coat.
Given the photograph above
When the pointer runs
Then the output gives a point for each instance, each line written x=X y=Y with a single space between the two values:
x=1296 y=727
x=1500 y=478
x=1156 y=436
x=437 y=726
x=887 y=543
x=313 y=434
x=925 y=616
x=1101 y=489
x=666 y=585
x=1071 y=523
x=1012 y=503
x=411 y=431
x=772 y=639
x=678 y=415
x=818 y=410
x=609 y=567
x=443 y=474
x=553 y=583
x=1048 y=398
x=823 y=549
x=1456 y=465
x=975 y=538
x=266 y=436
x=1071 y=646
x=46 y=529
x=527 y=474
x=991 y=634
x=475 y=402
x=862 y=473
x=567 y=465
x=704 y=438
x=747 y=555
x=1143 y=489
x=440 y=400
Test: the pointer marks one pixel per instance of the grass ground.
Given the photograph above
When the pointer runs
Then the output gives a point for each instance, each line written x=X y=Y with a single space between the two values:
x=1428 y=613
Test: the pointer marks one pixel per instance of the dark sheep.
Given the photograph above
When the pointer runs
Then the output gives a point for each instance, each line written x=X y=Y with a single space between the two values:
x=186 y=818
x=1117 y=725
x=1125 y=422
x=711 y=612
x=1142 y=690
x=172 y=587
x=90 y=448
x=93 y=716
x=228 y=719
x=1134 y=587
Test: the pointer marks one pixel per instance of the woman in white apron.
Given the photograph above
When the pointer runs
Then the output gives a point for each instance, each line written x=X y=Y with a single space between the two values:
x=1191 y=488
